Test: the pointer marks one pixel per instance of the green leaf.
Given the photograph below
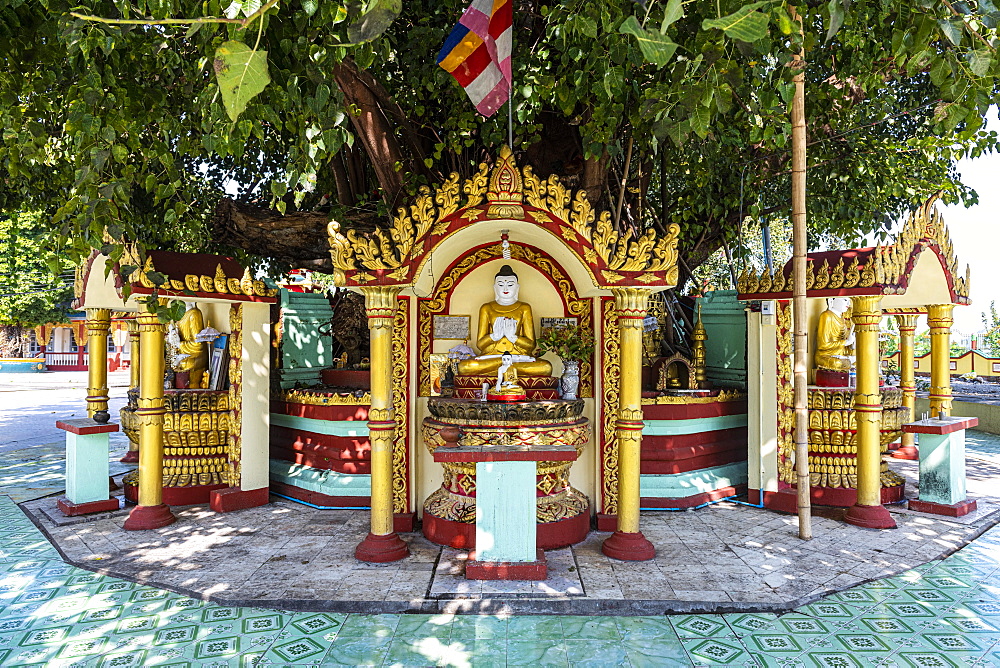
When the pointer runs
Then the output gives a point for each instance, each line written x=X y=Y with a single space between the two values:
x=980 y=61
x=309 y=7
x=745 y=24
x=952 y=29
x=242 y=75
x=656 y=48
x=673 y=12
x=836 y=18
x=379 y=16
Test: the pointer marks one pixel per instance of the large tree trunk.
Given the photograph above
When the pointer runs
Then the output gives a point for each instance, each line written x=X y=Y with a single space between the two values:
x=298 y=239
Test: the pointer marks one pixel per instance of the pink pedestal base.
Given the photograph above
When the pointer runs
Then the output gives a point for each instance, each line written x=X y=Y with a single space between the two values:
x=870 y=517
x=131 y=457
x=376 y=549
x=70 y=509
x=143 y=518
x=951 y=510
x=507 y=570
x=628 y=547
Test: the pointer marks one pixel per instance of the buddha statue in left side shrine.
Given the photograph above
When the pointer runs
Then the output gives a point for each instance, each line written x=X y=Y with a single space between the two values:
x=193 y=356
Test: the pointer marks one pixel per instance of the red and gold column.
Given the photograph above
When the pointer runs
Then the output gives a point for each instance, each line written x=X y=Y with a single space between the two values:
x=98 y=326
x=382 y=544
x=907 y=324
x=628 y=543
x=939 y=319
x=868 y=510
x=151 y=513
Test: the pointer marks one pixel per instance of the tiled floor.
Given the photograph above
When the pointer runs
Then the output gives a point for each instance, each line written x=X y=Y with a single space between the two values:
x=946 y=613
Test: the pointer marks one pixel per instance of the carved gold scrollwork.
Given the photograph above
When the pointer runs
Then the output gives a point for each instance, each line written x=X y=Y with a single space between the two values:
x=611 y=377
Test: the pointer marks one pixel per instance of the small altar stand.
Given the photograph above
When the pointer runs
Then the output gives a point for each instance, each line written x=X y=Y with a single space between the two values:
x=942 y=465
x=86 y=467
x=506 y=548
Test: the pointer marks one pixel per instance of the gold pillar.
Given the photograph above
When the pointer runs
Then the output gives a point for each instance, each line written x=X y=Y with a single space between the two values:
x=98 y=326
x=868 y=511
x=151 y=513
x=382 y=544
x=907 y=324
x=939 y=319
x=628 y=543
x=128 y=417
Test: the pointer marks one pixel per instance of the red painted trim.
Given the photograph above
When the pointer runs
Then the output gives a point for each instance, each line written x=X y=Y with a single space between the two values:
x=692 y=501
x=908 y=452
x=870 y=517
x=607 y=522
x=177 y=496
x=548 y=536
x=318 y=498
x=321 y=412
x=507 y=570
x=693 y=464
x=143 y=518
x=950 y=426
x=321 y=460
x=85 y=426
x=950 y=510
x=403 y=522
x=683 y=446
x=447 y=454
x=139 y=289
x=233 y=498
x=786 y=500
x=70 y=509
x=356 y=379
x=691 y=411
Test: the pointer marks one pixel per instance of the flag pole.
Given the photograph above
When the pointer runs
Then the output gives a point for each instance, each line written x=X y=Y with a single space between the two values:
x=510 y=118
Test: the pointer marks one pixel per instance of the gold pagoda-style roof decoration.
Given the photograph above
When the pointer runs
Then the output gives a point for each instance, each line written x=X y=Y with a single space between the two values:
x=182 y=276
x=504 y=191
x=878 y=270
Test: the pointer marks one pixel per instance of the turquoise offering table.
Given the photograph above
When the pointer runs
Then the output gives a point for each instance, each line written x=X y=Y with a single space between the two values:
x=86 y=467
x=505 y=507
x=942 y=465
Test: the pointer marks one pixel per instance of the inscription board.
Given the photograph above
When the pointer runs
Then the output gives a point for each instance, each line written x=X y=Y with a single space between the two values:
x=451 y=327
x=558 y=323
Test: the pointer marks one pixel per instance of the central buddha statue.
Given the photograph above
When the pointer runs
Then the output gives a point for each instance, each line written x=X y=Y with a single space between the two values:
x=505 y=326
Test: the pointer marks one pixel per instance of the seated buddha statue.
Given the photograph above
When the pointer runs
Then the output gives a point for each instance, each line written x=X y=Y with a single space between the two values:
x=505 y=326
x=834 y=335
x=194 y=354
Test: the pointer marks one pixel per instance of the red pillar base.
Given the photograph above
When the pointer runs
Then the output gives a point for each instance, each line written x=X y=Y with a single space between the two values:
x=131 y=457
x=507 y=570
x=908 y=452
x=376 y=549
x=870 y=517
x=949 y=509
x=143 y=518
x=628 y=547
x=70 y=509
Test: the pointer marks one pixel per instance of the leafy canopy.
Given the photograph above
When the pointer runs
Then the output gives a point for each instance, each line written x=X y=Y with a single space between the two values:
x=125 y=131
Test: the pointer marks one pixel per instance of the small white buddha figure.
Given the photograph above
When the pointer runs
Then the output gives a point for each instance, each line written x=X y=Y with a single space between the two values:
x=505 y=326
x=507 y=384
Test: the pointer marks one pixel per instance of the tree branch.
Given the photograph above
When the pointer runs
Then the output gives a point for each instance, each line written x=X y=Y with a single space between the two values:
x=163 y=22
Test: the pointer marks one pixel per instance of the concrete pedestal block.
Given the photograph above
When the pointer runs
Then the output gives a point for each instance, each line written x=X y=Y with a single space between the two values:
x=86 y=466
x=942 y=465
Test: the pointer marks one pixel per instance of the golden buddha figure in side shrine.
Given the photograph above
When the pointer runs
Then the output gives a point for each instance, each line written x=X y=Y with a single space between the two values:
x=834 y=336
x=193 y=356
x=505 y=326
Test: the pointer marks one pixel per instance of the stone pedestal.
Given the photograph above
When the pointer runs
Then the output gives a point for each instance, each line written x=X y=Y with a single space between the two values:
x=506 y=546
x=942 y=466
x=86 y=467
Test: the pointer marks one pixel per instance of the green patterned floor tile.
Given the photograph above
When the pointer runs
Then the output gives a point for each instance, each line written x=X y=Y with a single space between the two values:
x=778 y=643
x=324 y=624
x=699 y=626
x=887 y=625
x=960 y=643
x=357 y=651
x=717 y=652
x=860 y=642
x=589 y=628
x=133 y=659
x=799 y=623
x=595 y=653
x=297 y=650
x=539 y=653
x=375 y=626
x=836 y=659
x=484 y=627
x=828 y=610
x=926 y=659
x=744 y=624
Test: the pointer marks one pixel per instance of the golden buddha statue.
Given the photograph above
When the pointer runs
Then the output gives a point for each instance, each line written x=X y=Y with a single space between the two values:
x=505 y=326
x=834 y=335
x=193 y=356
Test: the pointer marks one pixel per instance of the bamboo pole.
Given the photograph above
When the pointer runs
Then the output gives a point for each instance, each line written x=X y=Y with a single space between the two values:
x=801 y=360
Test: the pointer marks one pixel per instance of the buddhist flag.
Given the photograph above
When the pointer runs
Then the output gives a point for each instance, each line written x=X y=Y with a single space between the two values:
x=477 y=53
